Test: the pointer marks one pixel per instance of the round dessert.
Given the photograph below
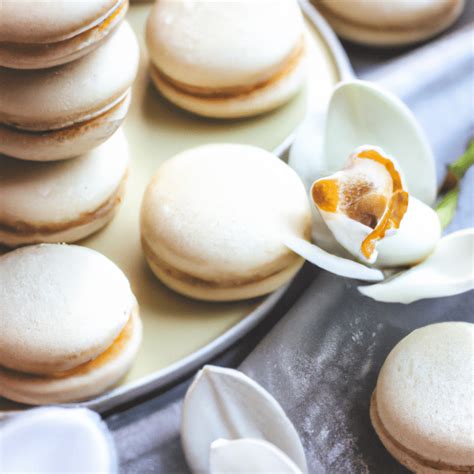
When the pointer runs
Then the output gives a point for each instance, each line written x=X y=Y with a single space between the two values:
x=214 y=220
x=390 y=22
x=422 y=406
x=227 y=59
x=62 y=201
x=37 y=35
x=70 y=324
x=63 y=112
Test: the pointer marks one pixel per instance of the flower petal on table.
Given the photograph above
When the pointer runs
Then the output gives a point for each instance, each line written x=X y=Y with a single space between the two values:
x=225 y=403
x=246 y=455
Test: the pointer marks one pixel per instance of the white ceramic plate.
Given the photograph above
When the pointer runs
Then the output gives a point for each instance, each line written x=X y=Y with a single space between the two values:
x=181 y=334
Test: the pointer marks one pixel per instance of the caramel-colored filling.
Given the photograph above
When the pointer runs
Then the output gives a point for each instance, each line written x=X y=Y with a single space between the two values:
x=232 y=92
x=283 y=263
x=26 y=229
x=425 y=462
x=73 y=130
x=119 y=11
x=112 y=352
x=397 y=205
x=67 y=123
x=117 y=346
x=360 y=202
x=82 y=37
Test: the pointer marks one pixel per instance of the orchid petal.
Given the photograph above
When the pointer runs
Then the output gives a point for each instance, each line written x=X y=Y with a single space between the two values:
x=332 y=263
x=307 y=154
x=448 y=271
x=361 y=112
x=414 y=241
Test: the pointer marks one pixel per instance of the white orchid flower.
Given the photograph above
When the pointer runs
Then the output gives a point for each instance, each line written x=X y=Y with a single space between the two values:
x=372 y=181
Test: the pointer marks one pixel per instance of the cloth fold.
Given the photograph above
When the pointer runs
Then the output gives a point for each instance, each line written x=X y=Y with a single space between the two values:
x=322 y=359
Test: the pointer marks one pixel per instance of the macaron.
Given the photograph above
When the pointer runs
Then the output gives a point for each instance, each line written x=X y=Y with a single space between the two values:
x=390 y=22
x=227 y=59
x=62 y=201
x=37 y=35
x=214 y=220
x=422 y=407
x=70 y=324
x=63 y=112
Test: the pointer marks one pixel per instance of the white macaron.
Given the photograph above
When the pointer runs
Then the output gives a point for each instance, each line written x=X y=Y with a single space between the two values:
x=422 y=407
x=62 y=201
x=227 y=59
x=70 y=324
x=37 y=35
x=214 y=220
x=62 y=112
x=390 y=22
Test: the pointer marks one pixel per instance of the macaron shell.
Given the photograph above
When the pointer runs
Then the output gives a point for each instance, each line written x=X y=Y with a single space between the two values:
x=222 y=44
x=62 y=306
x=258 y=101
x=390 y=23
x=30 y=21
x=45 y=55
x=87 y=381
x=55 y=193
x=59 y=97
x=65 y=143
x=424 y=393
x=220 y=212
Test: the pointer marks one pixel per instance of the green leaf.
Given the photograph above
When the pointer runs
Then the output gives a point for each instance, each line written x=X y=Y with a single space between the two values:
x=448 y=203
x=446 y=207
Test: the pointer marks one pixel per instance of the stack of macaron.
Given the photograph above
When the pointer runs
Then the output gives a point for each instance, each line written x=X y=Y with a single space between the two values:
x=69 y=325
x=65 y=78
x=229 y=59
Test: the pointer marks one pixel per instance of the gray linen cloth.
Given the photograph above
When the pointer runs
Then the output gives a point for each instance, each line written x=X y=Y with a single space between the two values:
x=322 y=359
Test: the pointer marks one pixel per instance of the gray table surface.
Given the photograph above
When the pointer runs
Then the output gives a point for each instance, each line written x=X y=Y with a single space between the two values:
x=146 y=430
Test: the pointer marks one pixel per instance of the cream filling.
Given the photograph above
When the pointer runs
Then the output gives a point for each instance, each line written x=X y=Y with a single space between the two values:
x=105 y=21
x=282 y=264
x=75 y=128
x=31 y=229
x=425 y=462
x=232 y=92
x=118 y=345
x=76 y=119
